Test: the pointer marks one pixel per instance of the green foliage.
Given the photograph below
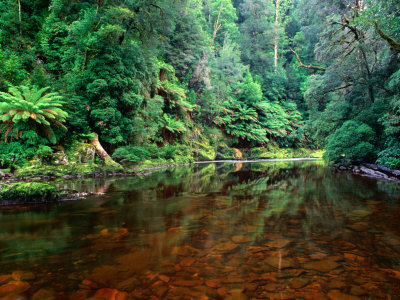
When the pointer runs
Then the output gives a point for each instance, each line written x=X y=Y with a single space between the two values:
x=353 y=142
x=29 y=109
x=132 y=155
x=15 y=154
x=390 y=156
x=171 y=124
x=225 y=153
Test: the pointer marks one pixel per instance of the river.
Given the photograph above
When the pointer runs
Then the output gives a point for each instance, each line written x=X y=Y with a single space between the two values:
x=262 y=230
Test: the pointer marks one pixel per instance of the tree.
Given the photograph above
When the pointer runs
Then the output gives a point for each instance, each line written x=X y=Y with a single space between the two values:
x=353 y=142
x=30 y=111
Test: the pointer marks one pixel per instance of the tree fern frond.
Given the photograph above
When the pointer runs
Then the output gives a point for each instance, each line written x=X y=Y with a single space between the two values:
x=23 y=103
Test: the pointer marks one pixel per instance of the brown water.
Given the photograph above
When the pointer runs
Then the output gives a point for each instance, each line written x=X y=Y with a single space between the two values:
x=273 y=230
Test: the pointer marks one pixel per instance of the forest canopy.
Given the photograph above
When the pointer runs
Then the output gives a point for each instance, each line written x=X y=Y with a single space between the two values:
x=201 y=74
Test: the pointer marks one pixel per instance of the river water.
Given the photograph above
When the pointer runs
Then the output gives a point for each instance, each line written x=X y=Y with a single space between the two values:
x=265 y=230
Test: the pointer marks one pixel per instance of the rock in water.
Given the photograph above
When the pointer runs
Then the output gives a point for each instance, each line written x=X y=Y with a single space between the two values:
x=226 y=247
x=129 y=284
x=22 y=276
x=240 y=239
x=323 y=266
x=338 y=295
x=278 y=243
x=15 y=287
x=44 y=294
x=298 y=283
x=279 y=263
x=373 y=173
x=111 y=294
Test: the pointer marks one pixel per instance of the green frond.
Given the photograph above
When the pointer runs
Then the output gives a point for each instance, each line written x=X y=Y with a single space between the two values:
x=25 y=103
x=26 y=115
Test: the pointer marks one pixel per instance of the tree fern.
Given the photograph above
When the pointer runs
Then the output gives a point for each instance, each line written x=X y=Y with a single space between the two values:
x=172 y=124
x=29 y=108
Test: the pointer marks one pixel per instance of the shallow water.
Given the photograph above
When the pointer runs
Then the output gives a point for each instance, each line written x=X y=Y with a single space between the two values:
x=271 y=230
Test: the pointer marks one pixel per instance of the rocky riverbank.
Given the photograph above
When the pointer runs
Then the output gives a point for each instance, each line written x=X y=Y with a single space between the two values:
x=379 y=172
x=24 y=193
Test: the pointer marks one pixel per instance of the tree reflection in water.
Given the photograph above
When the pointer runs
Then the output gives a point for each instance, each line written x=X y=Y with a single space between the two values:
x=256 y=230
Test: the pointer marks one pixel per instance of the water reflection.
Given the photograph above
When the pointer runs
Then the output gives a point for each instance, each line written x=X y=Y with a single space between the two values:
x=277 y=230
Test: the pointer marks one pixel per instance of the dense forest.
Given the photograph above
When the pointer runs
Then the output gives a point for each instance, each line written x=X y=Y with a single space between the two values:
x=196 y=79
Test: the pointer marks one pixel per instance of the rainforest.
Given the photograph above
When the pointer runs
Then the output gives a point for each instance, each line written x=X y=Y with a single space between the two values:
x=199 y=149
x=160 y=81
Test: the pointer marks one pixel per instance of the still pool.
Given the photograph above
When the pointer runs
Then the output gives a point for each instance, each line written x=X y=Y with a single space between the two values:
x=265 y=230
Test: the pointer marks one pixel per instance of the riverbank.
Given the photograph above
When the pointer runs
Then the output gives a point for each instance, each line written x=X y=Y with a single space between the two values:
x=378 y=172
x=21 y=190
x=82 y=164
x=24 y=190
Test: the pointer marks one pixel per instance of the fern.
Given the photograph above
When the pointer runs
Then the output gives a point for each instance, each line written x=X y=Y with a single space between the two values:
x=30 y=108
x=172 y=124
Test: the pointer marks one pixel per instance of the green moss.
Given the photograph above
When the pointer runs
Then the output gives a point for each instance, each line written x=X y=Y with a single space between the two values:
x=76 y=169
x=318 y=153
x=272 y=151
x=183 y=159
x=202 y=151
x=301 y=153
x=26 y=192
x=81 y=153
x=112 y=166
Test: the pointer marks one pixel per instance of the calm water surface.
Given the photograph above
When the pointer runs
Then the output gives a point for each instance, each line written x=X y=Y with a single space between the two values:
x=271 y=230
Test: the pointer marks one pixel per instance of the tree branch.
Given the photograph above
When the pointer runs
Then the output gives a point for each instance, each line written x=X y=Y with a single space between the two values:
x=319 y=68
x=395 y=46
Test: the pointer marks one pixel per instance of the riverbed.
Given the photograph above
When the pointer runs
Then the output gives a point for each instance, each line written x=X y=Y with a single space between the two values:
x=261 y=230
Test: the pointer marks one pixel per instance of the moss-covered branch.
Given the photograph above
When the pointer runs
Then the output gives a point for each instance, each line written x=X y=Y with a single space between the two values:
x=302 y=65
x=395 y=46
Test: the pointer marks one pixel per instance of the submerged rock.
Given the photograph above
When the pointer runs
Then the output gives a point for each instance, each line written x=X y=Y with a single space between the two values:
x=279 y=263
x=323 y=266
x=226 y=247
x=129 y=284
x=44 y=294
x=187 y=262
x=15 y=287
x=278 y=243
x=111 y=294
x=187 y=283
x=298 y=283
x=237 y=295
x=22 y=275
x=4 y=278
x=213 y=283
x=241 y=239
x=338 y=295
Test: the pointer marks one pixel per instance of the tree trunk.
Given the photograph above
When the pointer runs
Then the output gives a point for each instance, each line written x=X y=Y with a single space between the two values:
x=371 y=91
x=20 y=17
x=217 y=24
x=276 y=46
x=99 y=149
x=201 y=73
